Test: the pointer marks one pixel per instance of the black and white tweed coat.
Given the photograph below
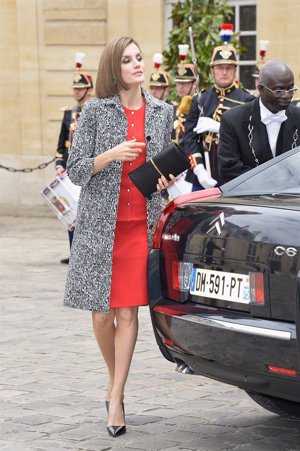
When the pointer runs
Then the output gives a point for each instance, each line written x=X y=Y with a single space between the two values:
x=103 y=125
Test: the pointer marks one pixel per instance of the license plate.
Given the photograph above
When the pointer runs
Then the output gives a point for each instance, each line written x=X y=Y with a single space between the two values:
x=220 y=285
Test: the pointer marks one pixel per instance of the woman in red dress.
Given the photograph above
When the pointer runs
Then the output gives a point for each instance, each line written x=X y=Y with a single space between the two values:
x=114 y=225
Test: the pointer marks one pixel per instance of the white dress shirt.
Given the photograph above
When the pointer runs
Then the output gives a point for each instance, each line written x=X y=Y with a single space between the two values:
x=273 y=123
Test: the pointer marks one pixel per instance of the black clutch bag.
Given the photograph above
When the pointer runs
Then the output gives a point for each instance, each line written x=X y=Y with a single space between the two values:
x=172 y=160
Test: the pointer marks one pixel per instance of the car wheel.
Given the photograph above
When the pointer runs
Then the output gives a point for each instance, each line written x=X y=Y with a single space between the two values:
x=282 y=407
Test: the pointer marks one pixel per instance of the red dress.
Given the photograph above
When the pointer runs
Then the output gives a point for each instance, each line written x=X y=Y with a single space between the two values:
x=130 y=254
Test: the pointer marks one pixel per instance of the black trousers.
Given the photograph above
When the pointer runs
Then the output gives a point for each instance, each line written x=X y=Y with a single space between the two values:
x=70 y=233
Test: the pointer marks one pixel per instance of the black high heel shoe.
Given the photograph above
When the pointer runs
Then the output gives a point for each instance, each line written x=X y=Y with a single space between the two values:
x=116 y=431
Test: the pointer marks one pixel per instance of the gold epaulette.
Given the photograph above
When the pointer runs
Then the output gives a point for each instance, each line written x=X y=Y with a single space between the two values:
x=185 y=105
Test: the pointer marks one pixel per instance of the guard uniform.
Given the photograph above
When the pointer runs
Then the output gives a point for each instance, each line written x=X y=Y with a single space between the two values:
x=214 y=102
x=63 y=146
x=181 y=112
x=211 y=104
x=185 y=73
x=81 y=80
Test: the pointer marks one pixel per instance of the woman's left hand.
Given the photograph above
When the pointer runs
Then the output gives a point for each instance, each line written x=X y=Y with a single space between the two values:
x=163 y=183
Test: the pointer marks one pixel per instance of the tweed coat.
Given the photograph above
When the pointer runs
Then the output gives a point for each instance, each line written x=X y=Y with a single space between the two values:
x=103 y=125
x=235 y=155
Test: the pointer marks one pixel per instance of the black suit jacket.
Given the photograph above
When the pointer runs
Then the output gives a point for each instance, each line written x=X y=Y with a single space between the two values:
x=235 y=155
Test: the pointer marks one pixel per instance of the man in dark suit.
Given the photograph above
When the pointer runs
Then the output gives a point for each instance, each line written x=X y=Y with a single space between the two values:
x=201 y=132
x=258 y=131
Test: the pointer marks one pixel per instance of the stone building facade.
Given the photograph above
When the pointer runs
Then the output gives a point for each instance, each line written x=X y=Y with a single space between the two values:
x=39 y=39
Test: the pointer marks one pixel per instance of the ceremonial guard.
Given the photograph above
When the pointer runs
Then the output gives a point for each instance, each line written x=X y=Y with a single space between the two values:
x=159 y=79
x=185 y=82
x=82 y=91
x=203 y=122
x=185 y=87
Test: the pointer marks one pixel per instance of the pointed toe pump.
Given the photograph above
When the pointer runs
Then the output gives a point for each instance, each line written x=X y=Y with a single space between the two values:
x=116 y=431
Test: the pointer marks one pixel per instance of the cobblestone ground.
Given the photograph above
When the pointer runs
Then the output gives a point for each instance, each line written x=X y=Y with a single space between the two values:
x=53 y=380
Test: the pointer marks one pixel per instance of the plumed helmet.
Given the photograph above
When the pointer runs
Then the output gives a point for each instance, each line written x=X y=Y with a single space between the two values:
x=158 y=77
x=81 y=79
x=224 y=54
x=185 y=72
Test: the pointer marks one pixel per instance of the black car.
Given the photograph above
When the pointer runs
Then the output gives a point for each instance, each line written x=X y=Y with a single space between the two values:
x=224 y=283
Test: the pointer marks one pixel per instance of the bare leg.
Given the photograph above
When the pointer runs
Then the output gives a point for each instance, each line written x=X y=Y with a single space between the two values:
x=104 y=330
x=125 y=340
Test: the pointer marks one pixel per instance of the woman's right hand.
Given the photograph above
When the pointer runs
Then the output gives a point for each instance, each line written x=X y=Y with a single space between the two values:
x=126 y=151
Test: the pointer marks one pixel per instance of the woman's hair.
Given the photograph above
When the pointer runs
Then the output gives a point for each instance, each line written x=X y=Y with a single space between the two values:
x=109 y=79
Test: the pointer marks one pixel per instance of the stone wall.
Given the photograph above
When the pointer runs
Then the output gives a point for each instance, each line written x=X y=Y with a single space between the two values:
x=278 y=21
x=39 y=39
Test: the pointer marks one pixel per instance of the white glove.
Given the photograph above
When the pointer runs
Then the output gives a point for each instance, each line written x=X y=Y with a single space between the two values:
x=207 y=124
x=204 y=179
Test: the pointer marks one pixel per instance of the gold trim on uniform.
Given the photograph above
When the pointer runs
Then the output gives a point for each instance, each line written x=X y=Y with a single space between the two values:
x=226 y=54
x=223 y=91
x=77 y=77
x=211 y=137
x=233 y=100
x=181 y=113
x=155 y=77
x=182 y=70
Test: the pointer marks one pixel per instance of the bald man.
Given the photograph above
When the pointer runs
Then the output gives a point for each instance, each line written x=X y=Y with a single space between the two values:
x=259 y=130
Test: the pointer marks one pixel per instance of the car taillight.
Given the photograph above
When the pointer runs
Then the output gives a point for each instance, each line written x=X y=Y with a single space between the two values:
x=168 y=342
x=177 y=202
x=175 y=275
x=181 y=275
x=257 y=288
x=161 y=224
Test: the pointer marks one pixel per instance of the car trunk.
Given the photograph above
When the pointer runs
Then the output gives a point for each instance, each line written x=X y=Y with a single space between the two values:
x=225 y=246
